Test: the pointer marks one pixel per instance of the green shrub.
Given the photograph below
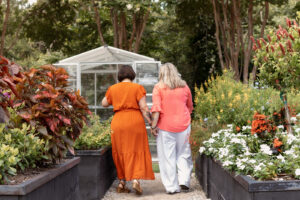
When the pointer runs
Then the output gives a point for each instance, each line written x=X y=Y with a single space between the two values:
x=95 y=134
x=229 y=102
x=20 y=148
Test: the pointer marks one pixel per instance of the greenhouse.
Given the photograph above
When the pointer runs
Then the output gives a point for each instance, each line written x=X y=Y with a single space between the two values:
x=92 y=72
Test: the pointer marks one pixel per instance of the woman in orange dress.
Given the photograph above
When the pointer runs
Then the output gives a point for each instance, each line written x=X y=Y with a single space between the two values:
x=130 y=148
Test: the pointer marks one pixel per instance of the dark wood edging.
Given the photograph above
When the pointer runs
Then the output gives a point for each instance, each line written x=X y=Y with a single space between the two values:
x=252 y=185
x=263 y=186
x=97 y=152
x=44 y=177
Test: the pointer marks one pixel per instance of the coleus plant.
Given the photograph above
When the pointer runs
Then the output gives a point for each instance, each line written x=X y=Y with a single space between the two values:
x=58 y=114
x=8 y=70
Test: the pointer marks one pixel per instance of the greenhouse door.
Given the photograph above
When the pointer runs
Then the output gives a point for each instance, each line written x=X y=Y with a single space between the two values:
x=147 y=76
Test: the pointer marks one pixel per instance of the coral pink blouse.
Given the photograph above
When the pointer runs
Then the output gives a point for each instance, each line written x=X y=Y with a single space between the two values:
x=175 y=107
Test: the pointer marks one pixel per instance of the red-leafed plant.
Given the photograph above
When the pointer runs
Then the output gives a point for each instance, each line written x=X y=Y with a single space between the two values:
x=58 y=114
x=8 y=70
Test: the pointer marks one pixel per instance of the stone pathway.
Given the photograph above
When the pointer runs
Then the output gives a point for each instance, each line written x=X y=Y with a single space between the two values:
x=155 y=190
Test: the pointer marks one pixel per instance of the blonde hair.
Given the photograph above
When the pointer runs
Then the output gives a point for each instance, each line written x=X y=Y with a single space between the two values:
x=169 y=76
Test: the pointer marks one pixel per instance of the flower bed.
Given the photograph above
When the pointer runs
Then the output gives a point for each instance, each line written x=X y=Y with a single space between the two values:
x=219 y=183
x=59 y=183
x=247 y=153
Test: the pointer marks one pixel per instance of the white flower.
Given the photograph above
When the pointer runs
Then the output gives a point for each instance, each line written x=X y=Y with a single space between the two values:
x=201 y=150
x=281 y=126
x=211 y=150
x=215 y=135
x=298 y=115
x=266 y=149
x=137 y=9
x=290 y=138
x=281 y=158
x=129 y=6
x=229 y=125
x=293 y=119
x=289 y=152
x=211 y=140
x=252 y=161
x=244 y=128
x=227 y=163
x=297 y=130
x=235 y=140
x=297 y=172
x=258 y=167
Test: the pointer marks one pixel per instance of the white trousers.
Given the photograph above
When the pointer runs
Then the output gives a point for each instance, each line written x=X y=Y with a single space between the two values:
x=173 y=150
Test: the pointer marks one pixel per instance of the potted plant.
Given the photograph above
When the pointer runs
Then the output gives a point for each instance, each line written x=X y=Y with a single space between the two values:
x=45 y=120
x=96 y=169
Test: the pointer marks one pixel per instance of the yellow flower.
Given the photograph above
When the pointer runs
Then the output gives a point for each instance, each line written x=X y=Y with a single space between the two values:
x=221 y=110
x=219 y=117
x=237 y=97
x=15 y=151
x=8 y=137
x=222 y=96
x=12 y=159
x=230 y=93
x=230 y=105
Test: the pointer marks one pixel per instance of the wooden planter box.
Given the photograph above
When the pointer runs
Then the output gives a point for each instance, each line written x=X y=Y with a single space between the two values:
x=219 y=184
x=59 y=183
x=96 y=172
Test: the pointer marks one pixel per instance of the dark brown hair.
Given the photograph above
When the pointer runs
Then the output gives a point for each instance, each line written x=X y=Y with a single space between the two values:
x=126 y=71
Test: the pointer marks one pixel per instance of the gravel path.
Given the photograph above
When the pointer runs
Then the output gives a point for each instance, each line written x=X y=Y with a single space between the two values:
x=155 y=190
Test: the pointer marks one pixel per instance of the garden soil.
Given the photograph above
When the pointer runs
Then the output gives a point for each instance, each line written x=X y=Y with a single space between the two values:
x=154 y=190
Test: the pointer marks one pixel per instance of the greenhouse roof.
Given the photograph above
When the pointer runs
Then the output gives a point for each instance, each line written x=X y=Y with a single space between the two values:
x=105 y=54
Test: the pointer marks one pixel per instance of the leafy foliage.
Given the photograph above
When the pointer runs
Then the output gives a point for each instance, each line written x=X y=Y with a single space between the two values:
x=278 y=58
x=20 y=148
x=95 y=134
x=57 y=113
x=7 y=71
x=226 y=101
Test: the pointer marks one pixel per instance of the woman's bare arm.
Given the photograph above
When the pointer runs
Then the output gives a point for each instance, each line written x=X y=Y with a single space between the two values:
x=144 y=109
x=155 y=117
x=105 y=102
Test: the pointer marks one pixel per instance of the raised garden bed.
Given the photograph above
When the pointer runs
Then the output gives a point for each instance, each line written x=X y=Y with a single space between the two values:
x=96 y=172
x=59 y=183
x=219 y=184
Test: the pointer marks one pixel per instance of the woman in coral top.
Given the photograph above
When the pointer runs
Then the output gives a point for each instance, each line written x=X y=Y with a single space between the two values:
x=130 y=148
x=172 y=106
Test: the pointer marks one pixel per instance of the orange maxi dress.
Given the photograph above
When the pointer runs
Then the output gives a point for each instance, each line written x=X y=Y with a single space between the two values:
x=130 y=148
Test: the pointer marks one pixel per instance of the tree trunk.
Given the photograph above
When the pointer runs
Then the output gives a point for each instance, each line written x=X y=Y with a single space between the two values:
x=124 y=32
x=247 y=50
x=114 y=19
x=130 y=43
x=287 y=115
x=217 y=34
x=141 y=31
x=5 y=27
x=98 y=22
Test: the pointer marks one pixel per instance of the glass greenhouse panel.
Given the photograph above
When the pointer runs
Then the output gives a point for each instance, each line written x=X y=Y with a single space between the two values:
x=147 y=73
x=71 y=69
x=103 y=81
x=88 y=87
x=103 y=68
